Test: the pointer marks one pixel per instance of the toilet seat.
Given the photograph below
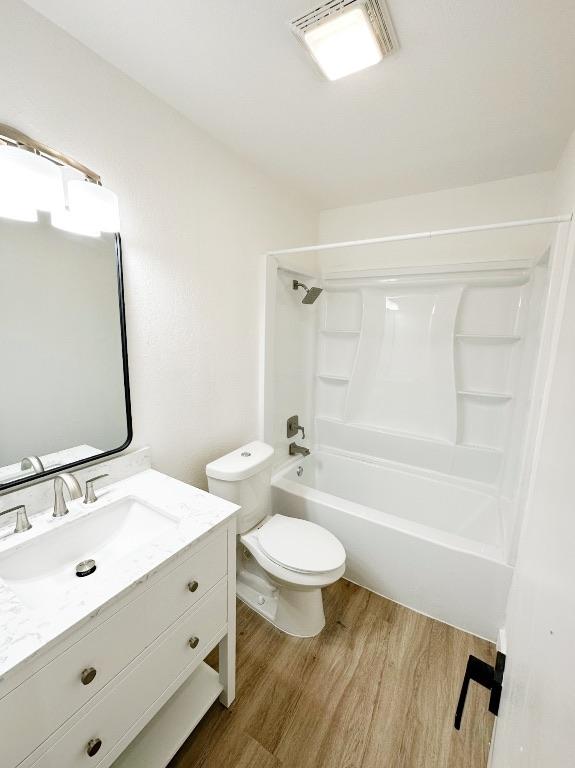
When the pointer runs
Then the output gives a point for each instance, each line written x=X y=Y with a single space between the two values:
x=300 y=546
x=280 y=575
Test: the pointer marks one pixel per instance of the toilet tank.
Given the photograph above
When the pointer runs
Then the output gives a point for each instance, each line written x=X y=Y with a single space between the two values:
x=243 y=477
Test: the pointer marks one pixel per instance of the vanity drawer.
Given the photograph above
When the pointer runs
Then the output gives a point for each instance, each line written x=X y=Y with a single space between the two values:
x=127 y=701
x=55 y=692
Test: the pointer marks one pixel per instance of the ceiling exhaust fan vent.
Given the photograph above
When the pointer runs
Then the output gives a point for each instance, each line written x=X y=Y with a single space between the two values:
x=377 y=11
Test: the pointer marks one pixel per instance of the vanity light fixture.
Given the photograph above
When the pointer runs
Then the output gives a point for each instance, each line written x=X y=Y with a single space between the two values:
x=69 y=219
x=13 y=203
x=66 y=220
x=12 y=207
x=34 y=177
x=94 y=203
x=346 y=36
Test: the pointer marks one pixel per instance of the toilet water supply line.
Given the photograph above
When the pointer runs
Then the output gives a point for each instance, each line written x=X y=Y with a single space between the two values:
x=424 y=235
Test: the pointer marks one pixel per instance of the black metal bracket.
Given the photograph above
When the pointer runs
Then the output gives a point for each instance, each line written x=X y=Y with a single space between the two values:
x=490 y=677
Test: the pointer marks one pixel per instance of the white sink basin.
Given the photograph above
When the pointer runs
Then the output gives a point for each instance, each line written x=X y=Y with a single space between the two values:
x=42 y=572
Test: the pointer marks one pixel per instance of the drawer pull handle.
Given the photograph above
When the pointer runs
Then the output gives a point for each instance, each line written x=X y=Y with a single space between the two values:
x=87 y=675
x=193 y=585
x=193 y=642
x=93 y=747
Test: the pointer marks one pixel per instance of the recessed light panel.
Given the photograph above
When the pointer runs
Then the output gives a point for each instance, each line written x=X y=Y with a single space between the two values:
x=346 y=36
x=344 y=44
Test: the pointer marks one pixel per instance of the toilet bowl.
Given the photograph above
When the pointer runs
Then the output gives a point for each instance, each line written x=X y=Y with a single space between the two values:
x=283 y=563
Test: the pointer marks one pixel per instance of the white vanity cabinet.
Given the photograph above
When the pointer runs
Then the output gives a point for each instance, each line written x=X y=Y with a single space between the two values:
x=137 y=676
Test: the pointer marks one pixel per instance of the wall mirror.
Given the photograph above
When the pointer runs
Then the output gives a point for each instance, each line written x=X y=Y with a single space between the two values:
x=64 y=390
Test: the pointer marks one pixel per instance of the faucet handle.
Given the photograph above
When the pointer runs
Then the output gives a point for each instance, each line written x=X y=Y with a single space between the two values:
x=90 y=496
x=22 y=522
x=293 y=427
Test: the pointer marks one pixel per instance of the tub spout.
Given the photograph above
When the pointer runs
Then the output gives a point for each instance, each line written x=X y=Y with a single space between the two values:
x=295 y=449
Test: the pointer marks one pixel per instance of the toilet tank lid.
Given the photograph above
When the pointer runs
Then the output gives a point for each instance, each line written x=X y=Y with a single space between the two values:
x=241 y=463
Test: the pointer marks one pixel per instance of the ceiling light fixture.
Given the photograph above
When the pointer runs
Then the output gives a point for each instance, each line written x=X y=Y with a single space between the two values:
x=344 y=44
x=346 y=36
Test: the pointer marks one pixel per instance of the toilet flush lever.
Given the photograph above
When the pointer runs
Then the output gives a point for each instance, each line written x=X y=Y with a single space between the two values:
x=293 y=427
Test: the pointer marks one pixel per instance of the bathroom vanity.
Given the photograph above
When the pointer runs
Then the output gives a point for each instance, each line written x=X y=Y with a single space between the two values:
x=109 y=668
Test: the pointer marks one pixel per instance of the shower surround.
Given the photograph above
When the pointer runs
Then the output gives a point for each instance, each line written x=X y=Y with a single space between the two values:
x=424 y=404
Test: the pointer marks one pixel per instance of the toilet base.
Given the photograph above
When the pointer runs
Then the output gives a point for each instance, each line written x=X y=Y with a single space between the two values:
x=300 y=612
x=297 y=612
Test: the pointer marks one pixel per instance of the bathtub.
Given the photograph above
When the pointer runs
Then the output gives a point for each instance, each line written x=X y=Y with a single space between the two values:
x=431 y=543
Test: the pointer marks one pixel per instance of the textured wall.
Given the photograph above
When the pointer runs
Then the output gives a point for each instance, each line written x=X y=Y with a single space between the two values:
x=538 y=708
x=521 y=197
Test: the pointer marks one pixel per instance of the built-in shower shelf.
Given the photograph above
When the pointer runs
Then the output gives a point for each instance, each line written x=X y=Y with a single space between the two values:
x=493 y=339
x=336 y=331
x=332 y=377
x=486 y=449
x=500 y=396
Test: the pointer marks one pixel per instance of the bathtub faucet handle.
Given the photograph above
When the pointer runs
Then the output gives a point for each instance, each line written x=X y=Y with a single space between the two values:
x=293 y=427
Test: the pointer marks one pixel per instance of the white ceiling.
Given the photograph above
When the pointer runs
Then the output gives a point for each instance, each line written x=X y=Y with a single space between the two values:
x=479 y=89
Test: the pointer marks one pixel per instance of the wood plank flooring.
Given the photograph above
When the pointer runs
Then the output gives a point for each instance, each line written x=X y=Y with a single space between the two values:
x=376 y=689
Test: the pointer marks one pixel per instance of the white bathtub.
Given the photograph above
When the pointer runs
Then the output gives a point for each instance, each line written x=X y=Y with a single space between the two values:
x=427 y=542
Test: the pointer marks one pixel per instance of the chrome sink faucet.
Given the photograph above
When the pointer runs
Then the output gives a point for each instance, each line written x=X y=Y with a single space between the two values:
x=73 y=486
x=295 y=450
x=22 y=522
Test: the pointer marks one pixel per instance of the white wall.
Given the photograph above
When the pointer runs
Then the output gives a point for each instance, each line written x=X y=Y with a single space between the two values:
x=535 y=727
x=195 y=221
x=521 y=197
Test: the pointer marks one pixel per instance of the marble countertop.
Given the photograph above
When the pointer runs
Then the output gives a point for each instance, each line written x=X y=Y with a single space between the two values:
x=25 y=632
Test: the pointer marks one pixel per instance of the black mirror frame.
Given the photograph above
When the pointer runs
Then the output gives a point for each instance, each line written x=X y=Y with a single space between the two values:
x=32 y=479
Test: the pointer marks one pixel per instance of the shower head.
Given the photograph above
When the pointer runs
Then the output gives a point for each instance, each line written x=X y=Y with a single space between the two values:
x=311 y=294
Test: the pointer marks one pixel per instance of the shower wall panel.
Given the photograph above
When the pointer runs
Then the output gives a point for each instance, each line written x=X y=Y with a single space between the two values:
x=403 y=379
x=427 y=366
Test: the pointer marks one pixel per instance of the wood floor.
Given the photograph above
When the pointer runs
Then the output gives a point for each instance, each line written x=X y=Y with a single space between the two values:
x=376 y=689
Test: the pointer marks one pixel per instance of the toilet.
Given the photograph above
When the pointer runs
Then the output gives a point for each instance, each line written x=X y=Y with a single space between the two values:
x=283 y=563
